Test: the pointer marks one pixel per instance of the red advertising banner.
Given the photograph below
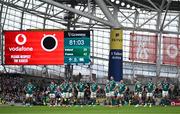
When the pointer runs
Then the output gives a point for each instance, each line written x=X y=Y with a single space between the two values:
x=34 y=47
x=175 y=102
x=171 y=50
x=143 y=48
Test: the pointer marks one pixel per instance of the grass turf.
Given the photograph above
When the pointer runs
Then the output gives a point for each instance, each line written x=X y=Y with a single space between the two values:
x=88 y=110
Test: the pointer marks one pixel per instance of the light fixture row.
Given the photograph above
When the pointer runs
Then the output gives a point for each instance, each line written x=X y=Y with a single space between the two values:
x=125 y=5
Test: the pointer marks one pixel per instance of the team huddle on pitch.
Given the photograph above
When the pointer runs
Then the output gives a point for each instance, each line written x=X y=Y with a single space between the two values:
x=69 y=92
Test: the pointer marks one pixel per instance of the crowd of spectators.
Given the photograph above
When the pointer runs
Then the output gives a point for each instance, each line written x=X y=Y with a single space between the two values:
x=12 y=88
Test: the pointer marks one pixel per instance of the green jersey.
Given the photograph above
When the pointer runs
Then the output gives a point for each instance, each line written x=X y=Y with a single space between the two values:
x=107 y=88
x=138 y=87
x=122 y=88
x=30 y=89
x=65 y=87
x=165 y=86
x=52 y=88
x=112 y=85
x=70 y=89
x=150 y=87
x=94 y=87
x=81 y=87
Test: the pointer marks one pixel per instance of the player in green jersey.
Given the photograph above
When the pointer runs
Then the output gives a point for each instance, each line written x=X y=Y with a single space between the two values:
x=71 y=92
x=29 y=89
x=112 y=86
x=138 y=92
x=93 y=89
x=121 y=88
x=107 y=90
x=81 y=89
x=64 y=89
x=165 y=86
x=150 y=87
x=52 y=88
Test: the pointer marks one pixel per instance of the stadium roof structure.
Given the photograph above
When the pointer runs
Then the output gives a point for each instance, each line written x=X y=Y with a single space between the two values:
x=160 y=17
x=151 y=5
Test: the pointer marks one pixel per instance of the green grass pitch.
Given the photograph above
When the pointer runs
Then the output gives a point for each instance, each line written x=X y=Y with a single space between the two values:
x=88 y=110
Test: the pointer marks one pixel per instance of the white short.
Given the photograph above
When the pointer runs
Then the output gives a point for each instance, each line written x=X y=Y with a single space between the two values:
x=120 y=95
x=139 y=94
x=93 y=94
x=165 y=93
x=52 y=96
x=29 y=95
x=111 y=93
x=80 y=94
x=70 y=95
x=65 y=95
x=149 y=94
x=107 y=94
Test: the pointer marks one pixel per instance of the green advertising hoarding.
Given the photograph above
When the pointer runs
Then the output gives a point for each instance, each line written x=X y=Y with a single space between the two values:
x=77 y=47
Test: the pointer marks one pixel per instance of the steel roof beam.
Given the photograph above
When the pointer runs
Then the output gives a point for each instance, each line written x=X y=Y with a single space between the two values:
x=84 y=14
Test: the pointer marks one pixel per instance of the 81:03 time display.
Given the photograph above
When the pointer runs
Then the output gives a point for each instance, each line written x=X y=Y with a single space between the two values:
x=76 y=42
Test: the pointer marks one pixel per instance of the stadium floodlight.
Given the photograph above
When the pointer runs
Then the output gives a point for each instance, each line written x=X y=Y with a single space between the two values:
x=128 y=6
x=112 y=0
x=122 y=4
x=117 y=2
x=138 y=9
x=133 y=7
x=143 y=11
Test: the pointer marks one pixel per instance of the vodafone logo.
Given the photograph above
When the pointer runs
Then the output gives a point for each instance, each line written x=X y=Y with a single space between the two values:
x=20 y=39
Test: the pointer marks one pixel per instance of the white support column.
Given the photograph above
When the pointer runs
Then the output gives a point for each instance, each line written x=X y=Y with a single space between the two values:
x=178 y=67
x=158 y=50
x=134 y=25
x=160 y=27
x=1 y=34
x=92 y=10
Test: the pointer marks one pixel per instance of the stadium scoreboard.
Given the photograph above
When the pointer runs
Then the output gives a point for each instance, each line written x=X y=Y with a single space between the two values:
x=46 y=47
x=77 y=47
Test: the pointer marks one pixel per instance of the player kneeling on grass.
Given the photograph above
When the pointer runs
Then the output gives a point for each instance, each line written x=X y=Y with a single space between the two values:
x=112 y=85
x=93 y=89
x=165 y=86
x=121 y=88
x=81 y=89
x=65 y=92
x=29 y=89
x=150 y=87
x=52 y=88
x=138 y=93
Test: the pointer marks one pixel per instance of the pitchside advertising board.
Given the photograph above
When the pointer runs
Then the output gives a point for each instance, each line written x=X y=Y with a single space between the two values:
x=116 y=54
x=38 y=48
